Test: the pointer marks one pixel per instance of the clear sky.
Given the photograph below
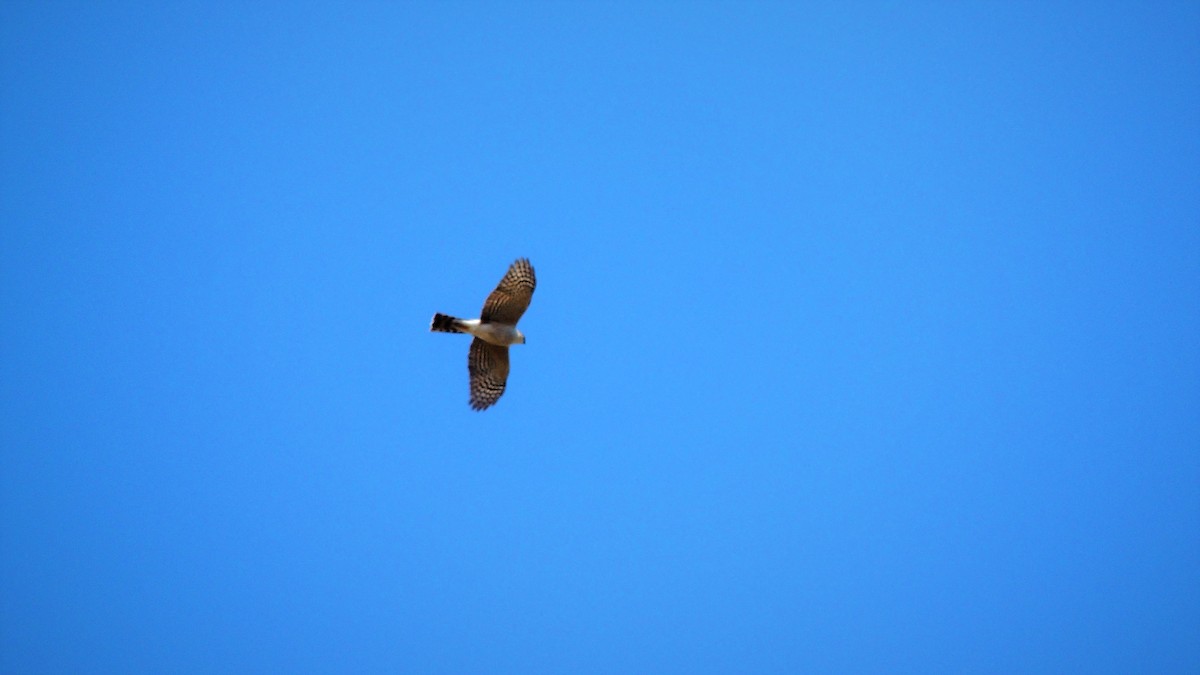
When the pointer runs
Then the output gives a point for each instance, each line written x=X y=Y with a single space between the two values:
x=866 y=340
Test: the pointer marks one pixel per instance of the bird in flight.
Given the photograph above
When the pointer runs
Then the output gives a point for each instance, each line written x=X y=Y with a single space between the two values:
x=494 y=331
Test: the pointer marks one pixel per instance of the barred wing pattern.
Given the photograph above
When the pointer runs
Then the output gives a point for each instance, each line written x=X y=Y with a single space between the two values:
x=511 y=298
x=488 y=366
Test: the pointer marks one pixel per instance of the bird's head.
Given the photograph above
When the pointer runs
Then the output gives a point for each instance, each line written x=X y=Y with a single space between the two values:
x=520 y=338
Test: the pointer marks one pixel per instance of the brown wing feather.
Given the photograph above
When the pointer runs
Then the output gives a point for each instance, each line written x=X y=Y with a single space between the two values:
x=488 y=366
x=511 y=298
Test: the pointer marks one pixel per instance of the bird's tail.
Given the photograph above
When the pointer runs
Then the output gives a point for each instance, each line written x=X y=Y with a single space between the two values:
x=445 y=324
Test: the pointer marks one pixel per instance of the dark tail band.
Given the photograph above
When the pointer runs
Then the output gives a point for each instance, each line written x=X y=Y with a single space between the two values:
x=444 y=324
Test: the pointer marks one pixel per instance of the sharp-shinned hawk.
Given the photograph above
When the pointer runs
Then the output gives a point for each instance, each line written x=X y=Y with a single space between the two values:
x=494 y=331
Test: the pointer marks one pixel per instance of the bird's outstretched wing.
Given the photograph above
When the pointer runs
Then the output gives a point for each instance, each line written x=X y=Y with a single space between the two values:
x=511 y=298
x=488 y=366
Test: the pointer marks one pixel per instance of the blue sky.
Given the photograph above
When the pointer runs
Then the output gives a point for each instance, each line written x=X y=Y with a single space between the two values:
x=865 y=337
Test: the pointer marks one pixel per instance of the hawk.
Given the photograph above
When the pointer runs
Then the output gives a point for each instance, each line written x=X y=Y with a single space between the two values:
x=494 y=331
